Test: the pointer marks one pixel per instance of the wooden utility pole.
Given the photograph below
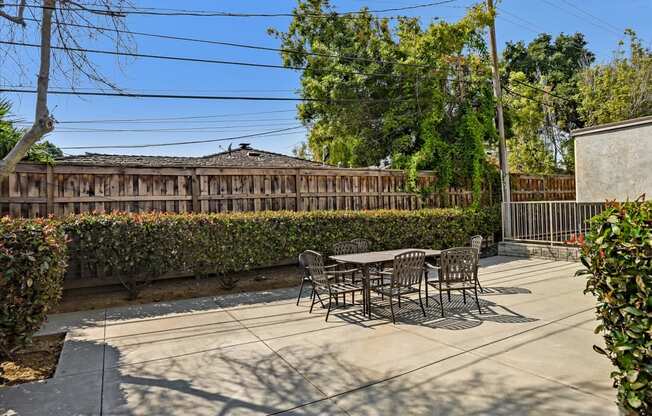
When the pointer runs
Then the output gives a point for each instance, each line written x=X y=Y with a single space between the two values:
x=504 y=168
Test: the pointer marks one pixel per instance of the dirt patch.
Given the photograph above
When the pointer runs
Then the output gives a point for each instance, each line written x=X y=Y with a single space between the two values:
x=174 y=289
x=35 y=362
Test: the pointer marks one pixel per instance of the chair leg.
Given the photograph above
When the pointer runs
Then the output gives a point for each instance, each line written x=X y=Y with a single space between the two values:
x=421 y=304
x=330 y=303
x=426 y=293
x=300 y=291
x=313 y=297
x=399 y=300
x=391 y=308
x=477 y=301
x=464 y=295
x=319 y=297
x=441 y=302
x=449 y=295
x=479 y=285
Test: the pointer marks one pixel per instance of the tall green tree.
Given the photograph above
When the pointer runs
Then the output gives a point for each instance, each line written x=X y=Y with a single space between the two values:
x=620 y=89
x=550 y=69
x=416 y=96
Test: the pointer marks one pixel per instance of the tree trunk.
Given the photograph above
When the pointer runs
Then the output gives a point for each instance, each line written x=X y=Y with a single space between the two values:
x=43 y=122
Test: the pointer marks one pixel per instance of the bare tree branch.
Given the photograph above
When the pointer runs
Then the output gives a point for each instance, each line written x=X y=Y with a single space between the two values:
x=69 y=60
x=18 y=18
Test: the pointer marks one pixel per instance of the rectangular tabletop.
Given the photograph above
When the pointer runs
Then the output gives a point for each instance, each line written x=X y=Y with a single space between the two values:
x=372 y=257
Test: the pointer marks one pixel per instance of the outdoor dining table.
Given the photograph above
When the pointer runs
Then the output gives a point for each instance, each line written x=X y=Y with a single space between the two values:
x=364 y=260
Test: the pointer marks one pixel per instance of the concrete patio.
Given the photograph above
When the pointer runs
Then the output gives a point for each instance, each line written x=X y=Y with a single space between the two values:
x=530 y=352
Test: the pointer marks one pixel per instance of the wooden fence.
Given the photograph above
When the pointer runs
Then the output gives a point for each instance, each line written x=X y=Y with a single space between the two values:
x=542 y=188
x=38 y=190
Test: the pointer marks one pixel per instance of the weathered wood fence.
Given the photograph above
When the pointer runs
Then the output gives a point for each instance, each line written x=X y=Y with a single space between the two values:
x=39 y=190
x=543 y=188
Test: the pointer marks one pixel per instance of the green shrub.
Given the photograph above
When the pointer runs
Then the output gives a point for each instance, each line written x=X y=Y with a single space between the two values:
x=137 y=247
x=618 y=257
x=32 y=265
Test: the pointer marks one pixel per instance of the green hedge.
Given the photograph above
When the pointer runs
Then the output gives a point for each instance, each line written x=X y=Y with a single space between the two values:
x=618 y=257
x=32 y=265
x=152 y=244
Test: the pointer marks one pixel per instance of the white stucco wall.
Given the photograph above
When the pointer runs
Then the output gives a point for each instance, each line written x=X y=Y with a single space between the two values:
x=614 y=163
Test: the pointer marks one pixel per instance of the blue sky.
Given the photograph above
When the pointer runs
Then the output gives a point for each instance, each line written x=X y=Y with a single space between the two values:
x=600 y=20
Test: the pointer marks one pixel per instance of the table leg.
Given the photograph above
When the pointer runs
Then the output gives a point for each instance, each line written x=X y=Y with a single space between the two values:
x=367 y=289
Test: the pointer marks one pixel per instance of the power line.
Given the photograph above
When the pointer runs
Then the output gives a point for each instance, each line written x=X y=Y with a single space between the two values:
x=214 y=129
x=184 y=59
x=601 y=26
x=606 y=23
x=234 y=44
x=542 y=90
x=201 y=97
x=158 y=119
x=126 y=10
x=138 y=146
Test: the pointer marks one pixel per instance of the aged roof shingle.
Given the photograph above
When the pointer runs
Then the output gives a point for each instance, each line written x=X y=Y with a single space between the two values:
x=242 y=157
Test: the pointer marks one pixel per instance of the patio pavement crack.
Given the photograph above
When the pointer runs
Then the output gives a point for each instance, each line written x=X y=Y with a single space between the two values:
x=103 y=365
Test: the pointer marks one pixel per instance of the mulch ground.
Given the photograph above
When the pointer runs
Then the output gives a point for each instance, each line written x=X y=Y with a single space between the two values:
x=35 y=362
x=175 y=289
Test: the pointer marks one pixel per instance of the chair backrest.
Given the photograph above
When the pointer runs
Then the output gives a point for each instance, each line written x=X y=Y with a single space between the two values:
x=458 y=265
x=408 y=268
x=476 y=242
x=344 y=247
x=313 y=263
x=362 y=244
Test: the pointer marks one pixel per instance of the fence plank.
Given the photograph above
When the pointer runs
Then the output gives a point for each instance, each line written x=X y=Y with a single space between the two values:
x=35 y=190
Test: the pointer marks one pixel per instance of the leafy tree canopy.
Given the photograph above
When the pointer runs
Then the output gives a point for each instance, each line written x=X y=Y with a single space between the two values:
x=620 y=89
x=9 y=136
x=546 y=72
x=419 y=97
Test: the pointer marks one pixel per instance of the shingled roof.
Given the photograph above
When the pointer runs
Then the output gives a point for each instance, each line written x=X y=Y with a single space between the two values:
x=244 y=156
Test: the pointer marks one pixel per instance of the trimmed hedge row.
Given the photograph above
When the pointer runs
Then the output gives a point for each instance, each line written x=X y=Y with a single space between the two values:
x=152 y=244
x=32 y=265
x=139 y=247
x=618 y=258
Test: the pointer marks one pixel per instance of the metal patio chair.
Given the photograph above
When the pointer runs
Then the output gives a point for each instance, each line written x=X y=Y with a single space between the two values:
x=325 y=280
x=458 y=271
x=363 y=245
x=476 y=243
x=404 y=276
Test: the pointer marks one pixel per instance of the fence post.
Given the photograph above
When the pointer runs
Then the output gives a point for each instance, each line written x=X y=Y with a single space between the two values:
x=194 y=191
x=550 y=219
x=49 y=189
x=297 y=189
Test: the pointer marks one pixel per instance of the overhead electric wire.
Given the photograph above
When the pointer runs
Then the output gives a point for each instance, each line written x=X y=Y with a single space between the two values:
x=214 y=129
x=130 y=120
x=601 y=26
x=125 y=11
x=594 y=17
x=201 y=97
x=187 y=59
x=138 y=146
x=534 y=87
x=233 y=44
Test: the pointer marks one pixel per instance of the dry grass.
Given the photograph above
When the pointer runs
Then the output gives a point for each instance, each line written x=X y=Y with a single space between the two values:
x=35 y=362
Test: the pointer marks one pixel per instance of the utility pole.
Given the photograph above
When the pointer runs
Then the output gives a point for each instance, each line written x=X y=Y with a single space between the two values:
x=504 y=169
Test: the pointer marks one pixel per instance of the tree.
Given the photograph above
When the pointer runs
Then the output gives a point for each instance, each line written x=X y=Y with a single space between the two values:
x=9 y=136
x=66 y=20
x=552 y=67
x=527 y=151
x=416 y=96
x=302 y=150
x=620 y=89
